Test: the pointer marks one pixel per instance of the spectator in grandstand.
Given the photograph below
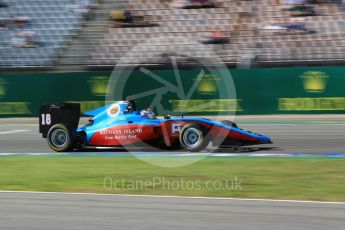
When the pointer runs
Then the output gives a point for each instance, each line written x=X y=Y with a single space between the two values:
x=297 y=25
x=193 y=4
x=20 y=20
x=294 y=2
x=179 y=4
x=276 y=28
x=127 y=18
x=81 y=6
x=116 y=15
x=301 y=10
x=18 y=42
x=25 y=39
x=215 y=36
x=292 y=26
x=31 y=39
x=128 y=15
x=119 y=18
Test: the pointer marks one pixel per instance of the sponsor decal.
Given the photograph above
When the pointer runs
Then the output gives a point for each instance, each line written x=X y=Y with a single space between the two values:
x=120 y=134
x=207 y=85
x=3 y=87
x=15 y=108
x=176 y=128
x=98 y=85
x=114 y=110
x=311 y=104
x=314 y=81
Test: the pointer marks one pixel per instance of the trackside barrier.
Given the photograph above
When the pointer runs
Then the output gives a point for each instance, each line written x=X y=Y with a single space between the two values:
x=259 y=91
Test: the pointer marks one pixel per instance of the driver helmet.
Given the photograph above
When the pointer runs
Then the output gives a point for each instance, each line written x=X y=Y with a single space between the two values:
x=148 y=113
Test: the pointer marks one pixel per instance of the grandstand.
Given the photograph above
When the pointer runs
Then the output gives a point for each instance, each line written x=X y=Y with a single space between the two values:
x=54 y=33
x=34 y=31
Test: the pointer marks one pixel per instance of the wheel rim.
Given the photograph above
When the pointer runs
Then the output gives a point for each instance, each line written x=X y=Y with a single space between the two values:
x=192 y=137
x=59 y=137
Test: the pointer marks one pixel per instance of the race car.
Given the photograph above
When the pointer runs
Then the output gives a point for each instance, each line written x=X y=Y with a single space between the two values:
x=119 y=124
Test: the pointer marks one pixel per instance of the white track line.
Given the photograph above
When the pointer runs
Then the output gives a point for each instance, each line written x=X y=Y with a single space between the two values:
x=32 y=154
x=172 y=196
x=13 y=131
x=143 y=154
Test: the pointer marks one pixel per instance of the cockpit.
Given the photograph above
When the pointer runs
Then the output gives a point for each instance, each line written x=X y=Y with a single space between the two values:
x=129 y=107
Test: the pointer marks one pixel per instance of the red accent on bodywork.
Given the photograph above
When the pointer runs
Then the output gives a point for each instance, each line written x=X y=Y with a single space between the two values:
x=170 y=130
x=124 y=135
x=165 y=133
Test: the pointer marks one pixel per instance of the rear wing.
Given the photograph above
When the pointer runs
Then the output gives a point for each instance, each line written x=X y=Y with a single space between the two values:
x=65 y=113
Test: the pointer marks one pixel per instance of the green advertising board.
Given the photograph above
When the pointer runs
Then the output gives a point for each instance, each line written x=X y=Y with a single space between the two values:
x=258 y=91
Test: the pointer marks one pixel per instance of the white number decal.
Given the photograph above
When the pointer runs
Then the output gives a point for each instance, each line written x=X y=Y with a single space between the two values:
x=176 y=128
x=46 y=119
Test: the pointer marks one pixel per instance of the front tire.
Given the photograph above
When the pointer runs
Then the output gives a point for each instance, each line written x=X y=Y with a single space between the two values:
x=60 y=139
x=193 y=138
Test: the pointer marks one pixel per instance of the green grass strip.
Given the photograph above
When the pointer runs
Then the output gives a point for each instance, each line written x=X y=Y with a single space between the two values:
x=246 y=177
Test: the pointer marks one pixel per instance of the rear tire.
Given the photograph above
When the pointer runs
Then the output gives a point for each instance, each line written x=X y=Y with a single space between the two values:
x=193 y=138
x=60 y=139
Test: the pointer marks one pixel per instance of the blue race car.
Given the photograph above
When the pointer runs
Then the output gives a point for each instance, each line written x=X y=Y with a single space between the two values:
x=120 y=125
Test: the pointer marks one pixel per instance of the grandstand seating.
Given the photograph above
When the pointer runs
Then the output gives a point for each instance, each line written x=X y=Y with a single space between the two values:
x=50 y=22
x=240 y=20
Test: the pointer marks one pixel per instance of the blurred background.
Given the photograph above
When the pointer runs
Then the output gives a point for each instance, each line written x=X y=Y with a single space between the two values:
x=285 y=56
x=286 y=60
x=89 y=33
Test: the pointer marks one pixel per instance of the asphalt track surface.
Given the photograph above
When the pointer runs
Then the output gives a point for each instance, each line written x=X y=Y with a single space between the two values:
x=288 y=138
x=36 y=211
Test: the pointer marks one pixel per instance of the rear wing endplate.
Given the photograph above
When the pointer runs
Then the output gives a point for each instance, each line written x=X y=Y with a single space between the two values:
x=64 y=113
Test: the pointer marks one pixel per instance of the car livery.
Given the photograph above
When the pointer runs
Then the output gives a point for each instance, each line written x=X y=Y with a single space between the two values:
x=119 y=124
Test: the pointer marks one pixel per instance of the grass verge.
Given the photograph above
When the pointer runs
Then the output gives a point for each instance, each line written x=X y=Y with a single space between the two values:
x=246 y=177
